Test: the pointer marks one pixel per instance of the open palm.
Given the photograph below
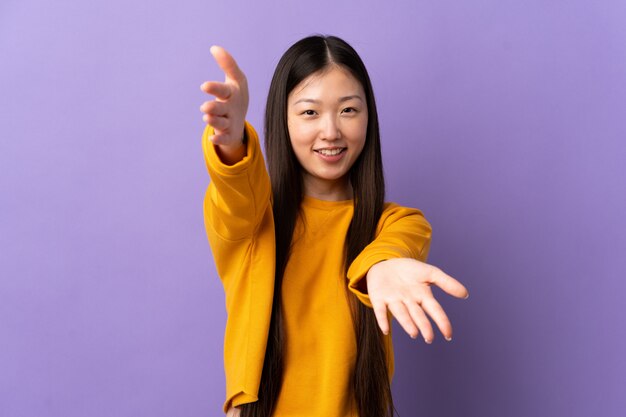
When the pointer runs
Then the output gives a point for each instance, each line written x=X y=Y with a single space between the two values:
x=402 y=286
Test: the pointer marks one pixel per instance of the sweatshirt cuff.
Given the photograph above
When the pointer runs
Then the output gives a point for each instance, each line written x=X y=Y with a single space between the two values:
x=213 y=161
x=239 y=399
x=358 y=272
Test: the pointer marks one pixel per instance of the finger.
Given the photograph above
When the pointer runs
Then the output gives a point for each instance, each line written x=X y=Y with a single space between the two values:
x=436 y=312
x=401 y=314
x=419 y=318
x=215 y=108
x=215 y=88
x=226 y=62
x=380 y=311
x=447 y=283
x=218 y=122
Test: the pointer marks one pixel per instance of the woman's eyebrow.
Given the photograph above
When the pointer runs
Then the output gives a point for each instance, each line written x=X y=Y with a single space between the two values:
x=341 y=99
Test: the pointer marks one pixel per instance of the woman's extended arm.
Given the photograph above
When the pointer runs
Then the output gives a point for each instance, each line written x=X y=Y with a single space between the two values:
x=391 y=273
x=239 y=226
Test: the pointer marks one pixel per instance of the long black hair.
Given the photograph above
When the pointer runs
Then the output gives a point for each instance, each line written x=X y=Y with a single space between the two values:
x=371 y=383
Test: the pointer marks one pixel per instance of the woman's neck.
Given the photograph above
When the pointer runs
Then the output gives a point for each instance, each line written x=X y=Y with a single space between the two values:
x=336 y=190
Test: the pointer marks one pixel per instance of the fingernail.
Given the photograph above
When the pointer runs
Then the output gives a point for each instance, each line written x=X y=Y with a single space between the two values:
x=448 y=339
x=428 y=341
x=466 y=297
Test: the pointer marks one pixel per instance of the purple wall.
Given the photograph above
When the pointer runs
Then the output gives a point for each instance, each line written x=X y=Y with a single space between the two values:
x=502 y=120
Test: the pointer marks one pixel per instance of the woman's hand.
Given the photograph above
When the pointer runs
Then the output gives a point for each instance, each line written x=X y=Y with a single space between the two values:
x=227 y=113
x=403 y=286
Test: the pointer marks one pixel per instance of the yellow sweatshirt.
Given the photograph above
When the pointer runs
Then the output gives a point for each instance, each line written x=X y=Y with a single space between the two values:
x=320 y=343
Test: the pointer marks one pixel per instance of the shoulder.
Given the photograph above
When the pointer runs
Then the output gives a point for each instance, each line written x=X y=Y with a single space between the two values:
x=408 y=216
x=395 y=210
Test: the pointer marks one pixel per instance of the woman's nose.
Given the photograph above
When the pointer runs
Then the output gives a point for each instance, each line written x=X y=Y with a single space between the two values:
x=330 y=128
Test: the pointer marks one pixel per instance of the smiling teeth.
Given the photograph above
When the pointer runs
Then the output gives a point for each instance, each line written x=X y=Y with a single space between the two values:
x=330 y=152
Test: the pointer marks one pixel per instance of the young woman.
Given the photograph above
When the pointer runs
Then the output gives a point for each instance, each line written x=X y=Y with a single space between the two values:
x=312 y=260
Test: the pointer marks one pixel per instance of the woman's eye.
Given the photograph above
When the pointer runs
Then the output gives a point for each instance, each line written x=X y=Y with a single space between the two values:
x=309 y=112
x=349 y=110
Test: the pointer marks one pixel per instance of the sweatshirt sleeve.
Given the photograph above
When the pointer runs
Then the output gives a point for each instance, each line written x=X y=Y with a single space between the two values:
x=240 y=229
x=238 y=194
x=401 y=233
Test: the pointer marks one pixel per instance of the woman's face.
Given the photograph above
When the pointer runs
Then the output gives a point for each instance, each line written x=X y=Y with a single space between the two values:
x=327 y=120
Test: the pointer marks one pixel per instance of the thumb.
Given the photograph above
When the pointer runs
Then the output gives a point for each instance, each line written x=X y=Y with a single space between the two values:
x=226 y=62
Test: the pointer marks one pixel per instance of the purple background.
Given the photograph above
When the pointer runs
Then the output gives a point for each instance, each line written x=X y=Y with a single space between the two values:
x=502 y=120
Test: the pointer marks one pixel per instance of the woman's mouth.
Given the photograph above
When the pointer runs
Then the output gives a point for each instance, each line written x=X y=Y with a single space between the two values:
x=331 y=154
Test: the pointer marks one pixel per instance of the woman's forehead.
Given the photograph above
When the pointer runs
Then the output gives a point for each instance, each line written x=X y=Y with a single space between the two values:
x=333 y=81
